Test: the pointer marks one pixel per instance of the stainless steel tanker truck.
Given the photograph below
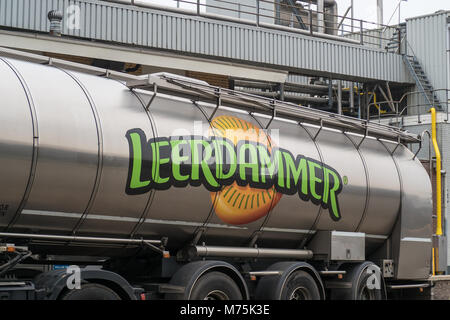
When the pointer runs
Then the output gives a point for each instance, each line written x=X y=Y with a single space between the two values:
x=164 y=187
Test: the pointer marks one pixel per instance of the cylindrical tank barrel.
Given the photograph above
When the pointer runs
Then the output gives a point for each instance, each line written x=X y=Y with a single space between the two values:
x=82 y=155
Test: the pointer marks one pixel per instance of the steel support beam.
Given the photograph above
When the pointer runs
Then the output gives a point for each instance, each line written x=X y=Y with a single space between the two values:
x=147 y=57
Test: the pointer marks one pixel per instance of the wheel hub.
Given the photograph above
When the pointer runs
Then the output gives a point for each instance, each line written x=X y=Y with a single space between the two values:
x=216 y=295
x=300 y=293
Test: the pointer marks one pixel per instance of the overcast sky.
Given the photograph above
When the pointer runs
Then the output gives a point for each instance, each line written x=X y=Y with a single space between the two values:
x=367 y=9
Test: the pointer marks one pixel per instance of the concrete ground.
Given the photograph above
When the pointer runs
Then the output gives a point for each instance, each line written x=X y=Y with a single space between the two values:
x=441 y=287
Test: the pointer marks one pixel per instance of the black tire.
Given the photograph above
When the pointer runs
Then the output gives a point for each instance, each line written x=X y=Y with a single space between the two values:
x=91 y=291
x=300 y=286
x=362 y=282
x=215 y=286
x=363 y=292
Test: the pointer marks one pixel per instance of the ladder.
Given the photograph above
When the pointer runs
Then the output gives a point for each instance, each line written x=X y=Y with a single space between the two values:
x=395 y=42
x=422 y=82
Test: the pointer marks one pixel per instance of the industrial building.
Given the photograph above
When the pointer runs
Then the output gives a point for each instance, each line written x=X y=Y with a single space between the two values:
x=301 y=52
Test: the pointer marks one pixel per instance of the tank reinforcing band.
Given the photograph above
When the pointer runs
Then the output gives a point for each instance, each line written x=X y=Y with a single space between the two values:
x=99 y=129
x=151 y=196
x=196 y=90
x=35 y=125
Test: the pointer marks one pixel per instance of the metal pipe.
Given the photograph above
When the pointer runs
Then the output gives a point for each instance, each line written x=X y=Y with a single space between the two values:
x=343 y=18
x=339 y=97
x=438 y=173
x=380 y=20
x=361 y=30
x=380 y=13
x=330 y=94
x=305 y=99
x=242 y=252
x=409 y=286
x=312 y=89
x=320 y=16
x=257 y=13
x=430 y=160
x=306 y=88
x=282 y=92
x=352 y=17
x=288 y=86
x=254 y=84
x=287 y=96
x=352 y=99
x=359 y=104
x=75 y=238
x=334 y=18
x=332 y=273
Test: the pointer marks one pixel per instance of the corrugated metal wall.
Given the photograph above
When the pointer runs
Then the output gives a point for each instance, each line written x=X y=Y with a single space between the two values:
x=126 y=24
x=427 y=37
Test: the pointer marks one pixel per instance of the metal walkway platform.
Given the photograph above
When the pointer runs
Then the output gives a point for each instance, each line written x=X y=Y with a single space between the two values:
x=216 y=39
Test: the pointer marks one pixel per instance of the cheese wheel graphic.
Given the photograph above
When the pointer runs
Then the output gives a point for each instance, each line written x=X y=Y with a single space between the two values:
x=235 y=204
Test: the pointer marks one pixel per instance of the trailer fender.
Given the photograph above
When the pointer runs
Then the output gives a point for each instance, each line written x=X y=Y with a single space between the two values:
x=271 y=287
x=52 y=284
x=188 y=275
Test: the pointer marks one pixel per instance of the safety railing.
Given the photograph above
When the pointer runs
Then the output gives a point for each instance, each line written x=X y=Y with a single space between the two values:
x=288 y=15
x=412 y=108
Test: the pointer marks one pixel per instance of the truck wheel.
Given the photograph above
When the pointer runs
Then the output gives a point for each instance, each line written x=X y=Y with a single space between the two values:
x=363 y=292
x=363 y=283
x=91 y=291
x=300 y=286
x=215 y=286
